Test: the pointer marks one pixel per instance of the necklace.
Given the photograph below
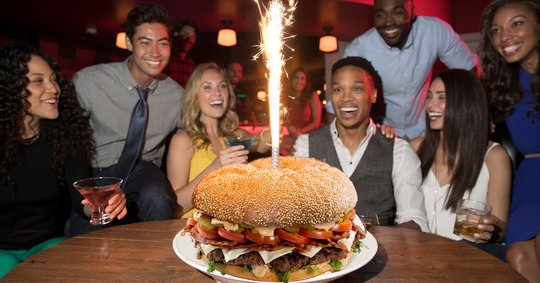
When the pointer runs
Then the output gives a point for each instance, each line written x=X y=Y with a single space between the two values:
x=31 y=140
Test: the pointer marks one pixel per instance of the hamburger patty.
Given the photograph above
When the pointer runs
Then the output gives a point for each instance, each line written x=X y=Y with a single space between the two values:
x=283 y=263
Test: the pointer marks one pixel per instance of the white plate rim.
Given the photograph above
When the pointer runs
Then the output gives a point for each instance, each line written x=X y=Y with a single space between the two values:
x=184 y=247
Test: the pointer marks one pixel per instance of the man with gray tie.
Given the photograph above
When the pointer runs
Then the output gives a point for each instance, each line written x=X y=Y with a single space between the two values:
x=133 y=108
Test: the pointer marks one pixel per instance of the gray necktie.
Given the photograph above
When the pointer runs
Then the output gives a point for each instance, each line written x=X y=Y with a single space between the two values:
x=135 y=136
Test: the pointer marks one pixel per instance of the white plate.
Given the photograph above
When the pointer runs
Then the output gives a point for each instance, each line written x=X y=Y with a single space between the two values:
x=184 y=247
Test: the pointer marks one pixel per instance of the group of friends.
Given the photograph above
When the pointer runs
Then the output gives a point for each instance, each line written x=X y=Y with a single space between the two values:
x=55 y=131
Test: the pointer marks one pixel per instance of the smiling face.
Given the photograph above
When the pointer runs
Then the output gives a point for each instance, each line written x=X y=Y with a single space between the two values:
x=392 y=19
x=299 y=81
x=189 y=37
x=151 y=52
x=352 y=96
x=44 y=92
x=515 y=35
x=436 y=104
x=235 y=72
x=213 y=94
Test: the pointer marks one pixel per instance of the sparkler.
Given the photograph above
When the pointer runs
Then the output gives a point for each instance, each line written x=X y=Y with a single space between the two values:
x=273 y=23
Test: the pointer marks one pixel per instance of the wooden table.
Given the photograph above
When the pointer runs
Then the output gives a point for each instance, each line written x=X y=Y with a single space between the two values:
x=143 y=252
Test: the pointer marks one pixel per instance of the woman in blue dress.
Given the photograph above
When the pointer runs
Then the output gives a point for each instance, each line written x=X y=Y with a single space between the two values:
x=510 y=51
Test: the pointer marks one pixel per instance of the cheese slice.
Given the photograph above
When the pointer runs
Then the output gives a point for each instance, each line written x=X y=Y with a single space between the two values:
x=268 y=256
x=349 y=241
x=231 y=254
x=313 y=251
x=207 y=248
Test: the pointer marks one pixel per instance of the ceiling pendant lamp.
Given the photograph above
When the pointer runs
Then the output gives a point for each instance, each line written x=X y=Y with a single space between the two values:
x=328 y=43
x=121 y=40
x=226 y=35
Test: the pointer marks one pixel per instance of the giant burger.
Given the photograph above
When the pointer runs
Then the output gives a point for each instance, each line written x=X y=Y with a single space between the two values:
x=289 y=223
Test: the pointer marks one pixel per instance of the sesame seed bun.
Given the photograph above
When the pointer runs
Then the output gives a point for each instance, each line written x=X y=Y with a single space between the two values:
x=300 y=192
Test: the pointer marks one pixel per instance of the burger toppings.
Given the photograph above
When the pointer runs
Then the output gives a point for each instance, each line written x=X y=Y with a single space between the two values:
x=292 y=237
x=222 y=233
x=288 y=248
x=228 y=225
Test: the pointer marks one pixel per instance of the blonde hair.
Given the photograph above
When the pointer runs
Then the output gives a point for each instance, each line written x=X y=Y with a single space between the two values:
x=191 y=110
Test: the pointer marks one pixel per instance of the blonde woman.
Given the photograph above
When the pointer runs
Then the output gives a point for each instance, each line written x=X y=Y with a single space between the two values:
x=199 y=148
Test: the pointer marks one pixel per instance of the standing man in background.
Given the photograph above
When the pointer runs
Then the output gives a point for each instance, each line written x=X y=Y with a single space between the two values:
x=403 y=48
x=235 y=73
x=182 y=64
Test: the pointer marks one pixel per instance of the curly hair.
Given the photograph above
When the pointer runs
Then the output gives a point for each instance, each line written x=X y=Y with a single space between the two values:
x=191 y=110
x=67 y=134
x=502 y=78
x=465 y=138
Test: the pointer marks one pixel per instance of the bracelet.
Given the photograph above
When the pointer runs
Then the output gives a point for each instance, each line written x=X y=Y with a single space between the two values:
x=262 y=137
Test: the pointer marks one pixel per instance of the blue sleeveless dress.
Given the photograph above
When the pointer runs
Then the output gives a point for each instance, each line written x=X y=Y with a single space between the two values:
x=524 y=218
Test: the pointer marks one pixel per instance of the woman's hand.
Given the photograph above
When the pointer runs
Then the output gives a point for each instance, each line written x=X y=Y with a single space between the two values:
x=489 y=227
x=116 y=207
x=233 y=155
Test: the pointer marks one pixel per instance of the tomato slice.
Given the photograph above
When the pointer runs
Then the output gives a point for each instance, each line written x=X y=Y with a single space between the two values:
x=231 y=236
x=208 y=234
x=344 y=226
x=316 y=233
x=292 y=237
x=258 y=238
x=191 y=222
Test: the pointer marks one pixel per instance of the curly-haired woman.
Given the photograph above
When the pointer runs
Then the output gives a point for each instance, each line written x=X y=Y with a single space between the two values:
x=510 y=50
x=207 y=117
x=45 y=145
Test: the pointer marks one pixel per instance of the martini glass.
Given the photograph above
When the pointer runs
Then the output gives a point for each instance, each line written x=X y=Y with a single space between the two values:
x=98 y=191
x=239 y=138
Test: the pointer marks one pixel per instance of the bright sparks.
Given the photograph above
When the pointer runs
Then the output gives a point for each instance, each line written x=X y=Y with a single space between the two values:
x=273 y=23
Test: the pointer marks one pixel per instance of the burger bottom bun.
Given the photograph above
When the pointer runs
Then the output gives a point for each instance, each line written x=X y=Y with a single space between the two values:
x=300 y=274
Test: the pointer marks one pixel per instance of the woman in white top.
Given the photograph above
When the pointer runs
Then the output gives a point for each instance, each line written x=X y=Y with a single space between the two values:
x=458 y=160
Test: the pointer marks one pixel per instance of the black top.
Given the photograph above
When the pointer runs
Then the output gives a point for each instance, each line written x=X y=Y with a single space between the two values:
x=36 y=208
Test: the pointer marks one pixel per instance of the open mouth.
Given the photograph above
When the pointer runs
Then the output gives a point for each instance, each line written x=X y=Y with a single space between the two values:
x=512 y=49
x=348 y=110
x=153 y=63
x=435 y=116
x=390 y=32
x=50 y=101
x=216 y=103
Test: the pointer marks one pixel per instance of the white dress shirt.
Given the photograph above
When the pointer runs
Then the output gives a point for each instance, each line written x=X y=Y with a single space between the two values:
x=406 y=173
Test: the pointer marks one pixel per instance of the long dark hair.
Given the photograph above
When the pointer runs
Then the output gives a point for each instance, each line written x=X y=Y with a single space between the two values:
x=306 y=93
x=67 y=134
x=502 y=78
x=465 y=133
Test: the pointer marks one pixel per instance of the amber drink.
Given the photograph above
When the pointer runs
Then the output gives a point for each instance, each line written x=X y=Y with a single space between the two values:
x=469 y=214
